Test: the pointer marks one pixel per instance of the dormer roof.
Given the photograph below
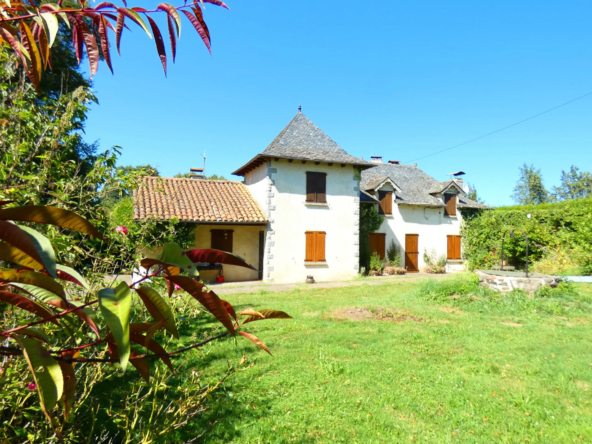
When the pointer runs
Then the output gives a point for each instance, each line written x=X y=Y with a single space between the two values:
x=303 y=140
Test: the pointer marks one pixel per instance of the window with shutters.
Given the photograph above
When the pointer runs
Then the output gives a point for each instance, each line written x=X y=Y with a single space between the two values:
x=450 y=201
x=454 y=247
x=315 y=246
x=316 y=187
x=385 y=207
x=377 y=244
x=222 y=240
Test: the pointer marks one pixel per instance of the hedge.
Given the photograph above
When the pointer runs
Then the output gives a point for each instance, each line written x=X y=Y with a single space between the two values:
x=559 y=235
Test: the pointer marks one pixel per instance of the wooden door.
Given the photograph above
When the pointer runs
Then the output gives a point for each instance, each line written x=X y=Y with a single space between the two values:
x=412 y=253
x=377 y=244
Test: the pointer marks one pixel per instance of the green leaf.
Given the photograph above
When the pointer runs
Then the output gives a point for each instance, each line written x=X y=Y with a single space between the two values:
x=34 y=332
x=71 y=275
x=50 y=382
x=115 y=305
x=52 y=26
x=173 y=254
x=30 y=243
x=136 y=18
x=158 y=308
x=44 y=249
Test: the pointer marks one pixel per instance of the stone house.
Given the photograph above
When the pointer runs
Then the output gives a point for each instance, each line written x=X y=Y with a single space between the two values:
x=296 y=212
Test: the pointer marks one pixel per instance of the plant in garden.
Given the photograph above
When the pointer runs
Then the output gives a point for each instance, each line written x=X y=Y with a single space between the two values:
x=370 y=221
x=51 y=320
x=435 y=264
x=376 y=264
x=30 y=28
x=393 y=253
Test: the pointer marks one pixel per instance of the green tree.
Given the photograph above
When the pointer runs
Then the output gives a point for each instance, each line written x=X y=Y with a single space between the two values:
x=473 y=195
x=530 y=189
x=574 y=185
x=370 y=221
x=216 y=177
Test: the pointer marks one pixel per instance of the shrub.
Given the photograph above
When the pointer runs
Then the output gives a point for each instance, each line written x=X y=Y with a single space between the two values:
x=393 y=253
x=376 y=264
x=434 y=264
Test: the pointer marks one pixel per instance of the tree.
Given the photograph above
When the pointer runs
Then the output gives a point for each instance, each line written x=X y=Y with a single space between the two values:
x=472 y=194
x=216 y=177
x=529 y=189
x=30 y=28
x=574 y=185
x=370 y=221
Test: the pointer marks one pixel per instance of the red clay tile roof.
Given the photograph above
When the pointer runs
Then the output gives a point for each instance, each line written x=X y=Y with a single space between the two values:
x=195 y=200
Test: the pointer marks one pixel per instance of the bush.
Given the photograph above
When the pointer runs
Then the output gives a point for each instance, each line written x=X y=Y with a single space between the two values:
x=393 y=253
x=434 y=264
x=376 y=264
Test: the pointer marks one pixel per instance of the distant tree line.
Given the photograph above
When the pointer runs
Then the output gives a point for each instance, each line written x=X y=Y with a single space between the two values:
x=530 y=189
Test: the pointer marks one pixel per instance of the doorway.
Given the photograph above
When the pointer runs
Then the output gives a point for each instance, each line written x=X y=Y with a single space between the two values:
x=412 y=253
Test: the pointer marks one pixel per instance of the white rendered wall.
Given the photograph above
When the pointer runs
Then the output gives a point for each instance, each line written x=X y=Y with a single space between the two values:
x=429 y=223
x=289 y=219
x=257 y=181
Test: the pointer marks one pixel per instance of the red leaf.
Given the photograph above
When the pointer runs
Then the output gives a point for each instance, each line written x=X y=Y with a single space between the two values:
x=35 y=66
x=77 y=40
x=83 y=34
x=27 y=304
x=43 y=46
x=154 y=347
x=208 y=299
x=255 y=340
x=79 y=313
x=104 y=33
x=199 y=28
x=105 y=5
x=229 y=309
x=120 y=25
x=268 y=314
x=206 y=255
x=217 y=3
x=8 y=33
x=199 y=15
x=172 y=37
x=159 y=43
x=141 y=365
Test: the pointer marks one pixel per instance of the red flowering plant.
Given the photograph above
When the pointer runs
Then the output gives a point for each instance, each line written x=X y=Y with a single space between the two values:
x=57 y=324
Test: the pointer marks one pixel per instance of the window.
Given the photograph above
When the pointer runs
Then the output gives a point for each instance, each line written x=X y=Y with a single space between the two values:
x=316 y=187
x=453 y=247
x=386 y=202
x=222 y=240
x=450 y=201
x=315 y=246
x=377 y=243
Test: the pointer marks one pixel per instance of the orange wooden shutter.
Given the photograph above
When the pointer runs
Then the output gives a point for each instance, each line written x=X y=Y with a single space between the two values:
x=454 y=247
x=310 y=246
x=457 y=247
x=451 y=248
x=450 y=200
x=381 y=240
x=320 y=246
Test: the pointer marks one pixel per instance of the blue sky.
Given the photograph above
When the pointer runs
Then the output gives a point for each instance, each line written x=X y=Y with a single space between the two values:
x=399 y=79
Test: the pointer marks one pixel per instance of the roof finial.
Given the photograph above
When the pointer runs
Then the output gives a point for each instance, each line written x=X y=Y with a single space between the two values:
x=299 y=108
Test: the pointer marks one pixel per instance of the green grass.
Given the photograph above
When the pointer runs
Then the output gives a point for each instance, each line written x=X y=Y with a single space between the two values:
x=455 y=374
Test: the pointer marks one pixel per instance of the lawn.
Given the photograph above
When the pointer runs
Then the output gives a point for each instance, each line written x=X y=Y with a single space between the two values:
x=429 y=368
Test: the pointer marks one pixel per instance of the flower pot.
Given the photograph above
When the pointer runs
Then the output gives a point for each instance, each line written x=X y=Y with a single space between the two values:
x=220 y=279
x=310 y=280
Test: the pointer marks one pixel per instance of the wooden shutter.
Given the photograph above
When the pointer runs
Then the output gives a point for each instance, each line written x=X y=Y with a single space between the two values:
x=386 y=202
x=311 y=192
x=454 y=247
x=315 y=246
x=320 y=246
x=222 y=240
x=450 y=201
x=321 y=188
x=412 y=253
x=310 y=246
x=316 y=187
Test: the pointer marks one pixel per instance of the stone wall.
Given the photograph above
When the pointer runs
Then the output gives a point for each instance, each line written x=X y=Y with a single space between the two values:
x=509 y=283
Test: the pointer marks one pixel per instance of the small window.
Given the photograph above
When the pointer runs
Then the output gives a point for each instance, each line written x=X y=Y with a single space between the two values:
x=450 y=201
x=386 y=202
x=378 y=243
x=315 y=246
x=454 y=247
x=222 y=240
x=316 y=187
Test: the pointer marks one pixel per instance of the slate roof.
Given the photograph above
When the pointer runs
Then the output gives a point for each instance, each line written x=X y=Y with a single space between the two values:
x=303 y=140
x=194 y=200
x=415 y=185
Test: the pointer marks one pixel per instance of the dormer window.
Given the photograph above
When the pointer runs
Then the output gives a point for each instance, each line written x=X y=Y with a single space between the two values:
x=450 y=201
x=316 y=187
x=385 y=207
